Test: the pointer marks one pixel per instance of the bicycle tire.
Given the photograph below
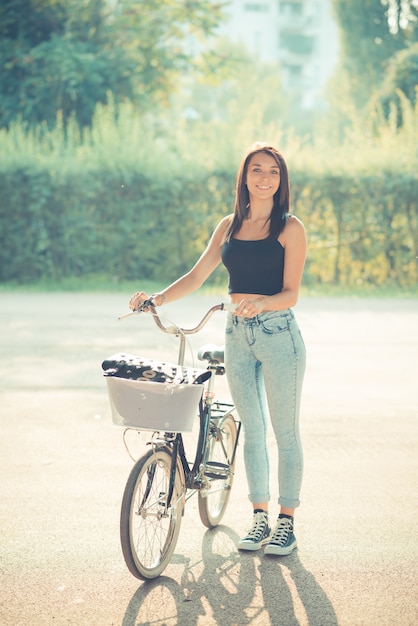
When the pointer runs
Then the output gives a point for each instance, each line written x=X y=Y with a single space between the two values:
x=219 y=451
x=149 y=535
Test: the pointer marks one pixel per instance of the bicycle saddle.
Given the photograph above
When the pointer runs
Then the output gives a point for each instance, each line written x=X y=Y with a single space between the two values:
x=210 y=352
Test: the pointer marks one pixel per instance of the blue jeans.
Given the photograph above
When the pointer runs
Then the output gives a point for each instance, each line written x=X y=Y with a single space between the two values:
x=265 y=360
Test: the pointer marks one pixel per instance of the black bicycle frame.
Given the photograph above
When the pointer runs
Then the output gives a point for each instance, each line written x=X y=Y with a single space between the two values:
x=178 y=451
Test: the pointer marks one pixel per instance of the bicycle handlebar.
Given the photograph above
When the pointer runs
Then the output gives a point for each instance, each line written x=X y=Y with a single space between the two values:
x=176 y=330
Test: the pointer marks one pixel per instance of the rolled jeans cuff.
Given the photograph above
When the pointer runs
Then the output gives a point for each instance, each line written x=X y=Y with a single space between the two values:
x=289 y=504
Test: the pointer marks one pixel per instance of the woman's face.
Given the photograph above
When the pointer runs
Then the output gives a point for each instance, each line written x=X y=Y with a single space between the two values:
x=263 y=176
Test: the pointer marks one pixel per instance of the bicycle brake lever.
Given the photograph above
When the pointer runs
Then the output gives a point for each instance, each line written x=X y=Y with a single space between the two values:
x=145 y=305
x=121 y=317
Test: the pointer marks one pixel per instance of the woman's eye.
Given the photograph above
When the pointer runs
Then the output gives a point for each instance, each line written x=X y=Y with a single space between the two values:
x=257 y=170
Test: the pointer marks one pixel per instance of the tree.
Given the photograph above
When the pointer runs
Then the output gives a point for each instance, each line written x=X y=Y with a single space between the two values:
x=371 y=32
x=401 y=81
x=61 y=55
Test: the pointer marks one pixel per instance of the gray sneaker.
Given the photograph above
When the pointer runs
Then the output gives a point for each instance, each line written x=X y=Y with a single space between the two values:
x=258 y=534
x=282 y=541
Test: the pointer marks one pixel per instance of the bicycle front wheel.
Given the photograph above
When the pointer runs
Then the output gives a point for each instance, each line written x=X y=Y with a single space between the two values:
x=219 y=470
x=149 y=525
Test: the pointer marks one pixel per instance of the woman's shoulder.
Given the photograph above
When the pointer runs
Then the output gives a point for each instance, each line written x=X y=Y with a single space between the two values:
x=293 y=224
x=294 y=230
x=224 y=224
x=226 y=221
x=293 y=221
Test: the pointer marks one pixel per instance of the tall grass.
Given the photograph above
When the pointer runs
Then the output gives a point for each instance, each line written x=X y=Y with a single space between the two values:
x=167 y=142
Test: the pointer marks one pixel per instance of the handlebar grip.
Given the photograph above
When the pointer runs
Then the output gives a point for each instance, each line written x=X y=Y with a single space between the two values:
x=229 y=306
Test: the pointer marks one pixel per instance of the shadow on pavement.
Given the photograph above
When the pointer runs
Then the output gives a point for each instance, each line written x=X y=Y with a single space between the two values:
x=289 y=591
x=231 y=588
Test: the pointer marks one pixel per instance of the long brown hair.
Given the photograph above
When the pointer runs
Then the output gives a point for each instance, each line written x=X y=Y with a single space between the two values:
x=280 y=210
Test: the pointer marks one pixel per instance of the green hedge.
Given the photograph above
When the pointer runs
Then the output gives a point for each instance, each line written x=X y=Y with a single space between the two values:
x=57 y=222
x=98 y=222
x=362 y=228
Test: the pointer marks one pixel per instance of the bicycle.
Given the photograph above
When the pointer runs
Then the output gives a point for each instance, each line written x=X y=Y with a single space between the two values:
x=162 y=479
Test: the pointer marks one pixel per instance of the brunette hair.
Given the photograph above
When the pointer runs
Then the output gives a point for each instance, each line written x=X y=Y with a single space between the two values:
x=280 y=211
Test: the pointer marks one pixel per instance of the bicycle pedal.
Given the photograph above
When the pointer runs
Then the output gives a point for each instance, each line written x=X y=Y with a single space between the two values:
x=215 y=470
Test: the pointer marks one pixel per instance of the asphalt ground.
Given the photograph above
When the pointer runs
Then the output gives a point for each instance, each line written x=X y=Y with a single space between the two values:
x=63 y=467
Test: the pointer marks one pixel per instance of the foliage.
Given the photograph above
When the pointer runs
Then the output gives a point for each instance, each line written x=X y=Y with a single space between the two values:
x=370 y=34
x=401 y=81
x=129 y=201
x=60 y=56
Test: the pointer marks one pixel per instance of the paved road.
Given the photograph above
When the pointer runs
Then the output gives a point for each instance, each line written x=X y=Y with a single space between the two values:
x=63 y=468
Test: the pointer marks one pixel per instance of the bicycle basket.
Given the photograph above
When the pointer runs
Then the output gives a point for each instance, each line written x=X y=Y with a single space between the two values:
x=137 y=401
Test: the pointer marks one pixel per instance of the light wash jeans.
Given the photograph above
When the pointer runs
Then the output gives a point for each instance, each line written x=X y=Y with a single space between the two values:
x=265 y=359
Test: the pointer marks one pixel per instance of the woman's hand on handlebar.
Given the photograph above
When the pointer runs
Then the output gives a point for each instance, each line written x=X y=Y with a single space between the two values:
x=137 y=300
x=140 y=297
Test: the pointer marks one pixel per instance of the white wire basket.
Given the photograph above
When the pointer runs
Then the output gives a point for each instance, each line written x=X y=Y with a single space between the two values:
x=163 y=406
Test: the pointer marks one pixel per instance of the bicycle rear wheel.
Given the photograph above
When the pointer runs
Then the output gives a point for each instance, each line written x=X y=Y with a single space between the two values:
x=149 y=526
x=219 y=470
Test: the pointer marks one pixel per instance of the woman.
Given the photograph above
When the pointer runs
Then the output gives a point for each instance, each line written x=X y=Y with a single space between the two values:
x=263 y=247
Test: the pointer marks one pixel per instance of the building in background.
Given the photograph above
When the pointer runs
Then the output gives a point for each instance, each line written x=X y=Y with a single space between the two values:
x=301 y=35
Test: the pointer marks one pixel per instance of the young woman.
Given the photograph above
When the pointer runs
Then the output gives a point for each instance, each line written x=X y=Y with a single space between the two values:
x=263 y=248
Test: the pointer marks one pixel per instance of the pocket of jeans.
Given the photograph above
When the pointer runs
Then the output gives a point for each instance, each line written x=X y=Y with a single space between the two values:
x=228 y=328
x=274 y=325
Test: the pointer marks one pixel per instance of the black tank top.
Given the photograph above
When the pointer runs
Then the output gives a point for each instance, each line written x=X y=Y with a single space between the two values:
x=254 y=266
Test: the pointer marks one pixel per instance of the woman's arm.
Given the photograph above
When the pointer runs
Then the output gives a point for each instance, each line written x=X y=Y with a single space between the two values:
x=294 y=243
x=194 y=279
